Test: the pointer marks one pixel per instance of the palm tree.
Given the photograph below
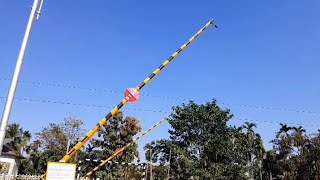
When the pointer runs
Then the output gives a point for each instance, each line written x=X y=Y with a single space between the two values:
x=284 y=140
x=249 y=127
x=299 y=139
x=32 y=163
x=17 y=138
x=259 y=152
x=238 y=143
x=236 y=133
x=250 y=136
x=284 y=145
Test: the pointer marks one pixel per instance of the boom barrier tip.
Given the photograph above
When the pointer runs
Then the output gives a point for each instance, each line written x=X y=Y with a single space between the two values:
x=91 y=133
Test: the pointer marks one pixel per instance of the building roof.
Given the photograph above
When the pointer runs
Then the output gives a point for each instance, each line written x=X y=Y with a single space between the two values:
x=9 y=152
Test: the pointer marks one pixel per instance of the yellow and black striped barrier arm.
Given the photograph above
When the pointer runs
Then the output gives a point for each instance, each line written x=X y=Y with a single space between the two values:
x=125 y=147
x=89 y=135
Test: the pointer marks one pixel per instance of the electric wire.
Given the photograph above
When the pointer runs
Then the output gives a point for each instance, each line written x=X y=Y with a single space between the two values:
x=34 y=83
x=154 y=111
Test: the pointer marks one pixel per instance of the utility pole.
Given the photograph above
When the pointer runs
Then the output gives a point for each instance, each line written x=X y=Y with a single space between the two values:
x=68 y=145
x=147 y=169
x=16 y=74
x=150 y=163
x=168 y=175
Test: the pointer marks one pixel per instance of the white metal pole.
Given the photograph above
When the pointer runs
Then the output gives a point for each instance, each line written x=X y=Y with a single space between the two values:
x=14 y=82
x=169 y=165
x=150 y=151
x=68 y=145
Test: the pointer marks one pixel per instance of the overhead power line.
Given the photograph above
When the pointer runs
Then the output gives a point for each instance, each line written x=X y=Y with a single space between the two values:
x=150 y=110
x=34 y=83
x=276 y=122
x=62 y=86
x=81 y=104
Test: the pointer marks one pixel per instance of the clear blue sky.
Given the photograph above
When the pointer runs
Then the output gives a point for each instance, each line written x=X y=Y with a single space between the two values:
x=263 y=54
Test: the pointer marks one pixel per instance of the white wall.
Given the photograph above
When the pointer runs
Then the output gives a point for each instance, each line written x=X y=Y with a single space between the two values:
x=14 y=163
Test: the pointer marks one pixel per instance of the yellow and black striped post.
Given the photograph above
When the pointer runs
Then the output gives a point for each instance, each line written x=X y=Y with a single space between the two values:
x=125 y=147
x=72 y=152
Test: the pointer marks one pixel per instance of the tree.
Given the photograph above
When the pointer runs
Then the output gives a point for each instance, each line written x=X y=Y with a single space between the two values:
x=56 y=136
x=259 y=153
x=283 y=141
x=254 y=150
x=34 y=162
x=116 y=133
x=312 y=157
x=73 y=129
x=295 y=155
x=283 y=146
x=299 y=139
x=202 y=145
x=51 y=145
x=271 y=166
x=250 y=143
x=52 y=137
x=17 y=139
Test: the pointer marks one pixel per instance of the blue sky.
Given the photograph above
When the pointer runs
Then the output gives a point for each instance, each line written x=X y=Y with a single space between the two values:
x=263 y=54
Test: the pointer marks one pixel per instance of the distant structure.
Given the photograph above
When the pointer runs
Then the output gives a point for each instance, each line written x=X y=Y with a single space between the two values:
x=9 y=161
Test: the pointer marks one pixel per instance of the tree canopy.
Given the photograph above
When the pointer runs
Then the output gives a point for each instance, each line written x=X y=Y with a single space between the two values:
x=51 y=144
x=202 y=145
x=116 y=133
x=16 y=138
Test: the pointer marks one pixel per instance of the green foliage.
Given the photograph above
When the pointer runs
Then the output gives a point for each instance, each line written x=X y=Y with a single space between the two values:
x=295 y=155
x=202 y=146
x=116 y=133
x=160 y=172
x=50 y=145
x=17 y=139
